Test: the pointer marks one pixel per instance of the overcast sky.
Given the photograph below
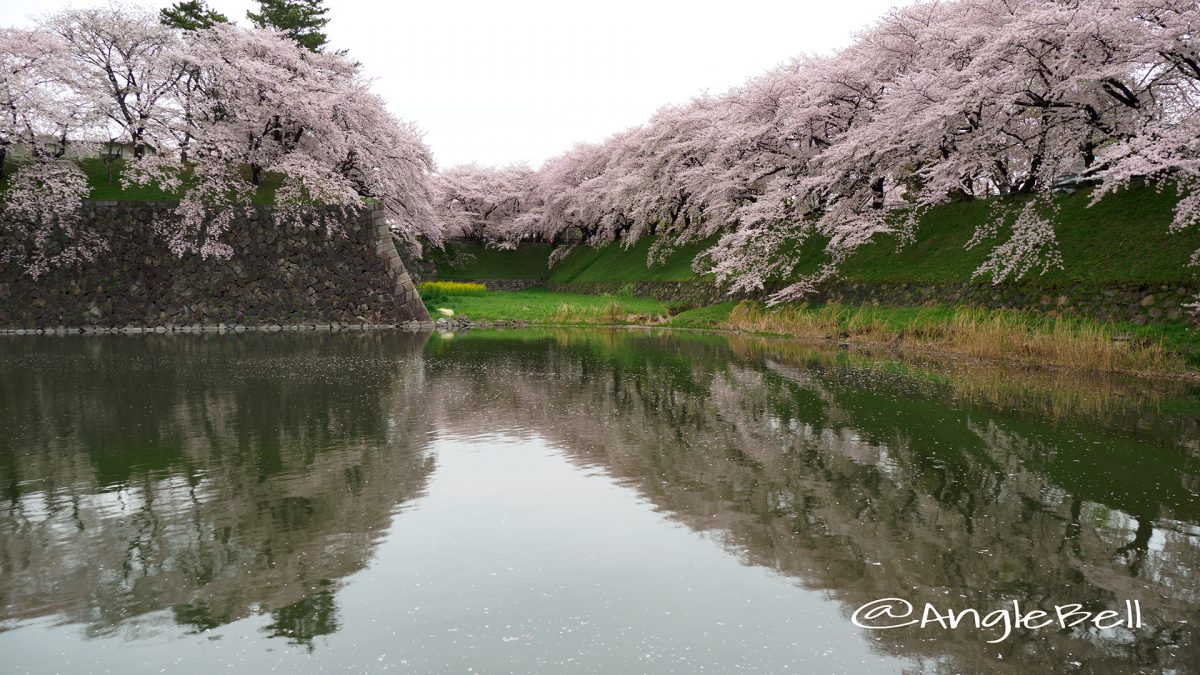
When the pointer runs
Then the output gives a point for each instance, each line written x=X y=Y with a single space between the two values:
x=506 y=81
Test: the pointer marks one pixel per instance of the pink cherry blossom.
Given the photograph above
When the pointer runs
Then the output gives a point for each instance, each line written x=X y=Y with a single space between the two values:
x=938 y=101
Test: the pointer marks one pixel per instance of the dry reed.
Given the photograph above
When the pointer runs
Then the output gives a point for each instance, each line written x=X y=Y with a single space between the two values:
x=979 y=333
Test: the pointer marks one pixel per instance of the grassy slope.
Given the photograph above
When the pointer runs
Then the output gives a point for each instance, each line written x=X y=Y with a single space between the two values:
x=1123 y=238
x=472 y=260
x=612 y=263
x=109 y=188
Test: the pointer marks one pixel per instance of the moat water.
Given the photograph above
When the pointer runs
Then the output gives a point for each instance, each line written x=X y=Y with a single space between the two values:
x=582 y=501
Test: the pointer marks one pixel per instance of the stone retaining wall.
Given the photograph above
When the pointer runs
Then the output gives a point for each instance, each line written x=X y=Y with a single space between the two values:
x=690 y=293
x=506 y=284
x=1129 y=302
x=280 y=275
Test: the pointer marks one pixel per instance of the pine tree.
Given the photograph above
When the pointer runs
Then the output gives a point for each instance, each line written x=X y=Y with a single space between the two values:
x=191 y=15
x=300 y=20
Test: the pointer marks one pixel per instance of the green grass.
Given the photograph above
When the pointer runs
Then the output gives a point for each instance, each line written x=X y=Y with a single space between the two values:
x=104 y=188
x=1124 y=238
x=614 y=264
x=472 y=260
x=989 y=334
x=585 y=264
x=713 y=316
x=105 y=182
x=538 y=306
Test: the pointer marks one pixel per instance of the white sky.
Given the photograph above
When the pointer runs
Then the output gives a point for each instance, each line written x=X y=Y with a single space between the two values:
x=503 y=81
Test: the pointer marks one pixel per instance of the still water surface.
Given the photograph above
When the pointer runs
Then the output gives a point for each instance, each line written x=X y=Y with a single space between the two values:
x=577 y=501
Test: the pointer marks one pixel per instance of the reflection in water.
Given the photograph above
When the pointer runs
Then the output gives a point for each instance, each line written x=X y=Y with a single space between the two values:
x=867 y=481
x=210 y=476
x=288 y=485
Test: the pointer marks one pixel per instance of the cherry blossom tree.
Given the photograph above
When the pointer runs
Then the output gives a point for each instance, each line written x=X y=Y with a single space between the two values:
x=223 y=106
x=23 y=55
x=266 y=103
x=121 y=60
x=40 y=225
x=1164 y=147
x=42 y=228
x=485 y=203
x=936 y=102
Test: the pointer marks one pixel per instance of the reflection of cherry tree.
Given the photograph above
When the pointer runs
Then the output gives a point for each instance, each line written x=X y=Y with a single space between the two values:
x=860 y=482
x=244 y=493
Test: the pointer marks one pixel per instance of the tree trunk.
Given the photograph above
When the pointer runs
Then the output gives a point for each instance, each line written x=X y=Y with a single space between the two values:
x=1089 y=154
x=3 y=155
x=1031 y=181
x=255 y=173
x=877 y=193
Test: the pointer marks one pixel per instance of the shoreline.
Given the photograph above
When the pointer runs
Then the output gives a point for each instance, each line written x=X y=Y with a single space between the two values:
x=870 y=347
x=222 y=328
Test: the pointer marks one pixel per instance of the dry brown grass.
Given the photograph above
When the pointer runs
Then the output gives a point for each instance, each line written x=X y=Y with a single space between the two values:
x=609 y=313
x=979 y=333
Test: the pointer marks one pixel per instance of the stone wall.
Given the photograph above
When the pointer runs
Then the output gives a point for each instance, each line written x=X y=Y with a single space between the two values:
x=280 y=275
x=506 y=284
x=690 y=293
x=1137 y=303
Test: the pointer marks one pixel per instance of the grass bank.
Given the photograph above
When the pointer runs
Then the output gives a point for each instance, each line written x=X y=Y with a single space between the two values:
x=546 y=307
x=104 y=179
x=1123 y=238
x=472 y=260
x=1121 y=241
x=993 y=335
x=1005 y=335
